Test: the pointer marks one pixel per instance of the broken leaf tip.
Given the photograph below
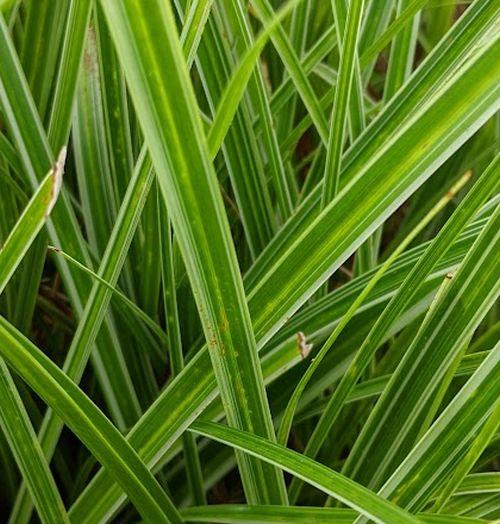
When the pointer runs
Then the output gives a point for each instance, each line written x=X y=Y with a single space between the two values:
x=304 y=347
x=57 y=173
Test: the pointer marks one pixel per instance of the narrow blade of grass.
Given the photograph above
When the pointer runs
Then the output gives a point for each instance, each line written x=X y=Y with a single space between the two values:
x=314 y=473
x=189 y=185
x=88 y=423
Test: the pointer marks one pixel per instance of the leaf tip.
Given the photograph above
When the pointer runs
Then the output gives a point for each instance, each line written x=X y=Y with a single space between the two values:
x=304 y=347
x=57 y=174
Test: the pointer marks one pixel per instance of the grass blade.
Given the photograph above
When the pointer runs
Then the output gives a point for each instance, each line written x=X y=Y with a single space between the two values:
x=14 y=419
x=275 y=290
x=63 y=228
x=479 y=444
x=31 y=221
x=478 y=272
x=23 y=442
x=193 y=466
x=447 y=440
x=408 y=289
x=188 y=183
x=322 y=477
x=286 y=422
x=341 y=102
x=88 y=423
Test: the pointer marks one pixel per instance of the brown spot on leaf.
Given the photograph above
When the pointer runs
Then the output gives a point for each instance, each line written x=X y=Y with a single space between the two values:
x=304 y=347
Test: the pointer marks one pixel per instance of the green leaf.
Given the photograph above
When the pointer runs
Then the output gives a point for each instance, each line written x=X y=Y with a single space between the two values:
x=83 y=417
x=193 y=466
x=189 y=185
x=324 y=478
x=295 y=70
x=31 y=221
x=67 y=72
x=282 y=280
x=419 y=273
x=428 y=465
x=292 y=404
x=194 y=24
x=13 y=417
x=63 y=228
x=235 y=514
x=439 y=340
x=242 y=158
x=19 y=432
x=341 y=101
x=480 y=442
x=95 y=308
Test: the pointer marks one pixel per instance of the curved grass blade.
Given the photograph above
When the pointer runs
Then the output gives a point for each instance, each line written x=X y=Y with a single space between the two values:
x=479 y=444
x=190 y=450
x=69 y=66
x=92 y=167
x=39 y=49
x=402 y=54
x=88 y=423
x=468 y=208
x=231 y=97
x=245 y=72
x=63 y=228
x=430 y=462
x=242 y=156
x=432 y=352
x=95 y=308
x=324 y=45
x=136 y=310
x=397 y=25
x=14 y=419
x=292 y=63
x=325 y=479
x=375 y=386
x=479 y=483
x=236 y=514
x=190 y=189
x=194 y=23
x=31 y=221
x=23 y=442
x=374 y=24
x=286 y=422
x=356 y=110
x=277 y=288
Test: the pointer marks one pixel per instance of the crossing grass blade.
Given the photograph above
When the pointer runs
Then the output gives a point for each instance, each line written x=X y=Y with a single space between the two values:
x=469 y=206
x=88 y=423
x=188 y=184
x=31 y=221
x=479 y=444
x=341 y=100
x=324 y=478
x=286 y=422
x=14 y=419
x=478 y=272
x=23 y=442
x=446 y=440
x=234 y=91
x=277 y=289
x=63 y=229
x=230 y=266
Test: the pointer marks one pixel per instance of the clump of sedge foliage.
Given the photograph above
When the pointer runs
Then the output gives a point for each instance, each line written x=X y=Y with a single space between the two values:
x=250 y=261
